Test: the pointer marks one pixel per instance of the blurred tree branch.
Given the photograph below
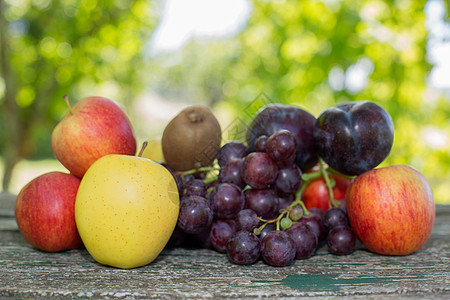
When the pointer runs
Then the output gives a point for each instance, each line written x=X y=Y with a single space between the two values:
x=48 y=49
x=13 y=130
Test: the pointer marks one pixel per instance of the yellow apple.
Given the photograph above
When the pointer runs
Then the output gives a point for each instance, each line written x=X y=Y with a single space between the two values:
x=153 y=150
x=126 y=210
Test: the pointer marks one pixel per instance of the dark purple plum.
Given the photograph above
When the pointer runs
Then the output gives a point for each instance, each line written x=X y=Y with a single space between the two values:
x=274 y=117
x=354 y=137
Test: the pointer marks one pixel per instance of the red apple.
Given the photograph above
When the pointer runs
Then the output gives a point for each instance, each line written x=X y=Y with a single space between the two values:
x=45 y=212
x=316 y=194
x=93 y=128
x=391 y=209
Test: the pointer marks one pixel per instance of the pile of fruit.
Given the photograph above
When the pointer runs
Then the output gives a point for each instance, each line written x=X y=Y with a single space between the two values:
x=296 y=184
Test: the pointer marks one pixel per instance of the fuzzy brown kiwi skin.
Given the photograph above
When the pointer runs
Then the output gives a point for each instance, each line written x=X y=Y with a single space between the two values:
x=191 y=139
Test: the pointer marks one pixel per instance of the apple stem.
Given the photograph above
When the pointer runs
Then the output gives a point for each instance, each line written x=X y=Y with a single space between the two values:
x=66 y=99
x=144 y=145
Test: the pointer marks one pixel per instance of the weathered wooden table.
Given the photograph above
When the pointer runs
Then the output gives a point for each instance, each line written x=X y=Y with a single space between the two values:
x=187 y=273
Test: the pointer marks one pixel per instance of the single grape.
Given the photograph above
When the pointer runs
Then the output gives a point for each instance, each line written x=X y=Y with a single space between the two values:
x=244 y=248
x=296 y=212
x=278 y=249
x=286 y=223
x=196 y=187
x=231 y=150
x=261 y=143
x=184 y=197
x=259 y=170
x=341 y=240
x=231 y=172
x=246 y=220
x=285 y=200
x=334 y=217
x=178 y=179
x=289 y=179
x=203 y=238
x=268 y=228
x=305 y=240
x=316 y=225
x=221 y=232
x=263 y=201
x=177 y=238
x=226 y=200
x=195 y=214
x=281 y=146
x=188 y=178
x=317 y=212
x=343 y=206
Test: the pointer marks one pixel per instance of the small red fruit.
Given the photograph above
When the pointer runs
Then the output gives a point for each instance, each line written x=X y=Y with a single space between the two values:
x=317 y=195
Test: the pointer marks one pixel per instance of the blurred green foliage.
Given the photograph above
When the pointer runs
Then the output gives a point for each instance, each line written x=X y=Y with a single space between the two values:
x=309 y=53
x=51 y=48
x=316 y=54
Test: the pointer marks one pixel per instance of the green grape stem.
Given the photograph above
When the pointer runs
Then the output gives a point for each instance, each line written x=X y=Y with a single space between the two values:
x=324 y=173
x=199 y=170
x=297 y=201
x=333 y=202
x=333 y=171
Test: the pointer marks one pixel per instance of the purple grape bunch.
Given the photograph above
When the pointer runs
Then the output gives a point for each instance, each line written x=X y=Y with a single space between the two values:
x=248 y=207
x=238 y=212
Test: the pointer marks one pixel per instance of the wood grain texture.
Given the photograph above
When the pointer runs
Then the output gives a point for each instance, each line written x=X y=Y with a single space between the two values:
x=201 y=273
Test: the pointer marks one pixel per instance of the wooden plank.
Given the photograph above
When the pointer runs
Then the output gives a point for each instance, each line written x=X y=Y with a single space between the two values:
x=189 y=273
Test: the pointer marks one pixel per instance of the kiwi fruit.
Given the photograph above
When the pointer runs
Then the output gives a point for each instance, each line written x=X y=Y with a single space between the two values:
x=192 y=139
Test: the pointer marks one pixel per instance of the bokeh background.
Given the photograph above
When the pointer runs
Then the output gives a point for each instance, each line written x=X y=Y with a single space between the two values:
x=157 y=57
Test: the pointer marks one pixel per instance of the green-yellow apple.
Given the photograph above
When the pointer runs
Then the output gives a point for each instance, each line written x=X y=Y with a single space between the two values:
x=45 y=212
x=391 y=209
x=93 y=128
x=126 y=210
